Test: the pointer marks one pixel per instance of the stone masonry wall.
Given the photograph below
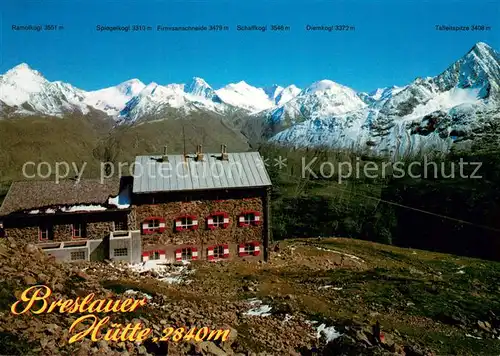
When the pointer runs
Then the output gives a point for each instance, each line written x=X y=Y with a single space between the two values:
x=27 y=229
x=63 y=232
x=203 y=236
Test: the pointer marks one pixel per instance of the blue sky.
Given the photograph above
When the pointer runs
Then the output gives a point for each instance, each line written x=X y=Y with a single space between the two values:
x=394 y=41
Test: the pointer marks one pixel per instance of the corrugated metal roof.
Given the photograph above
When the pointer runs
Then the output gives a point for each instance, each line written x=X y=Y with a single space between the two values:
x=241 y=170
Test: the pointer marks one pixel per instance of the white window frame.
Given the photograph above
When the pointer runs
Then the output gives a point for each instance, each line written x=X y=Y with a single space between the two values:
x=249 y=218
x=154 y=254
x=219 y=251
x=185 y=253
x=218 y=220
x=80 y=230
x=186 y=222
x=45 y=230
x=249 y=249
x=154 y=224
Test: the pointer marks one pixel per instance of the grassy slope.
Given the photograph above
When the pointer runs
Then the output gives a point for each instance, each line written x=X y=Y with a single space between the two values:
x=417 y=296
x=150 y=137
x=46 y=139
x=73 y=139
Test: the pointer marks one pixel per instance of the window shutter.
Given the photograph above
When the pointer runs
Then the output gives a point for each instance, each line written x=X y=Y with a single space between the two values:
x=226 y=251
x=145 y=256
x=257 y=218
x=195 y=223
x=256 y=246
x=145 y=227
x=241 y=220
x=178 y=224
x=162 y=254
x=162 y=225
x=226 y=221
x=210 y=222
x=241 y=250
x=178 y=254
x=210 y=253
x=194 y=251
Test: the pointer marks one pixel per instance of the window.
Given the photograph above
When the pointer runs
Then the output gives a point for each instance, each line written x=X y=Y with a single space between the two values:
x=120 y=252
x=186 y=254
x=77 y=255
x=154 y=255
x=153 y=225
x=187 y=222
x=218 y=219
x=249 y=218
x=120 y=225
x=249 y=249
x=46 y=233
x=79 y=230
x=217 y=252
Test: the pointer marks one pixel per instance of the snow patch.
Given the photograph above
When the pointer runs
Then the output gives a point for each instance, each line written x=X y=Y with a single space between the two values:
x=165 y=272
x=134 y=292
x=473 y=337
x=330 y=286
x=68 y=209
x=356 y=258
x=329 y=332
x=75 y=208
x=258 y=309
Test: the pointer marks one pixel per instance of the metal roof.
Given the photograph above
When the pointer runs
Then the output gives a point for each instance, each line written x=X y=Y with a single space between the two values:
x=241 y=170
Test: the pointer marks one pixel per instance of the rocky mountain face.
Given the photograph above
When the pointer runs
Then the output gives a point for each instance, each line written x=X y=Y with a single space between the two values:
x=112 y=100
x=322 y=99
x=27 y=91
x=429 y=114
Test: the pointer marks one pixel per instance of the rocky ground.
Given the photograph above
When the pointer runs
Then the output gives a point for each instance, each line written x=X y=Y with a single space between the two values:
x=314 y=297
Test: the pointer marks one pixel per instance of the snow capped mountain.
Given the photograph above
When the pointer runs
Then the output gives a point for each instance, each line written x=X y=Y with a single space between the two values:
x=200 y=88
x=28 y=91
x=245 y=96
x=324 y=99
x=113 y=99
x=156 y=100
x=286 y=94
x=379 y=94
x=478 y=69
x=200 y=96
x=428 y=114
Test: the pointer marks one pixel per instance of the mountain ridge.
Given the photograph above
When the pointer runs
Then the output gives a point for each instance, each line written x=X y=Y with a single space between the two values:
x=429 y=112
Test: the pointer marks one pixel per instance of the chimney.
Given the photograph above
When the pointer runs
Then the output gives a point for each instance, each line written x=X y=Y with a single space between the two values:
x=164 y=157
x=224 y=155
x=199 y=153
